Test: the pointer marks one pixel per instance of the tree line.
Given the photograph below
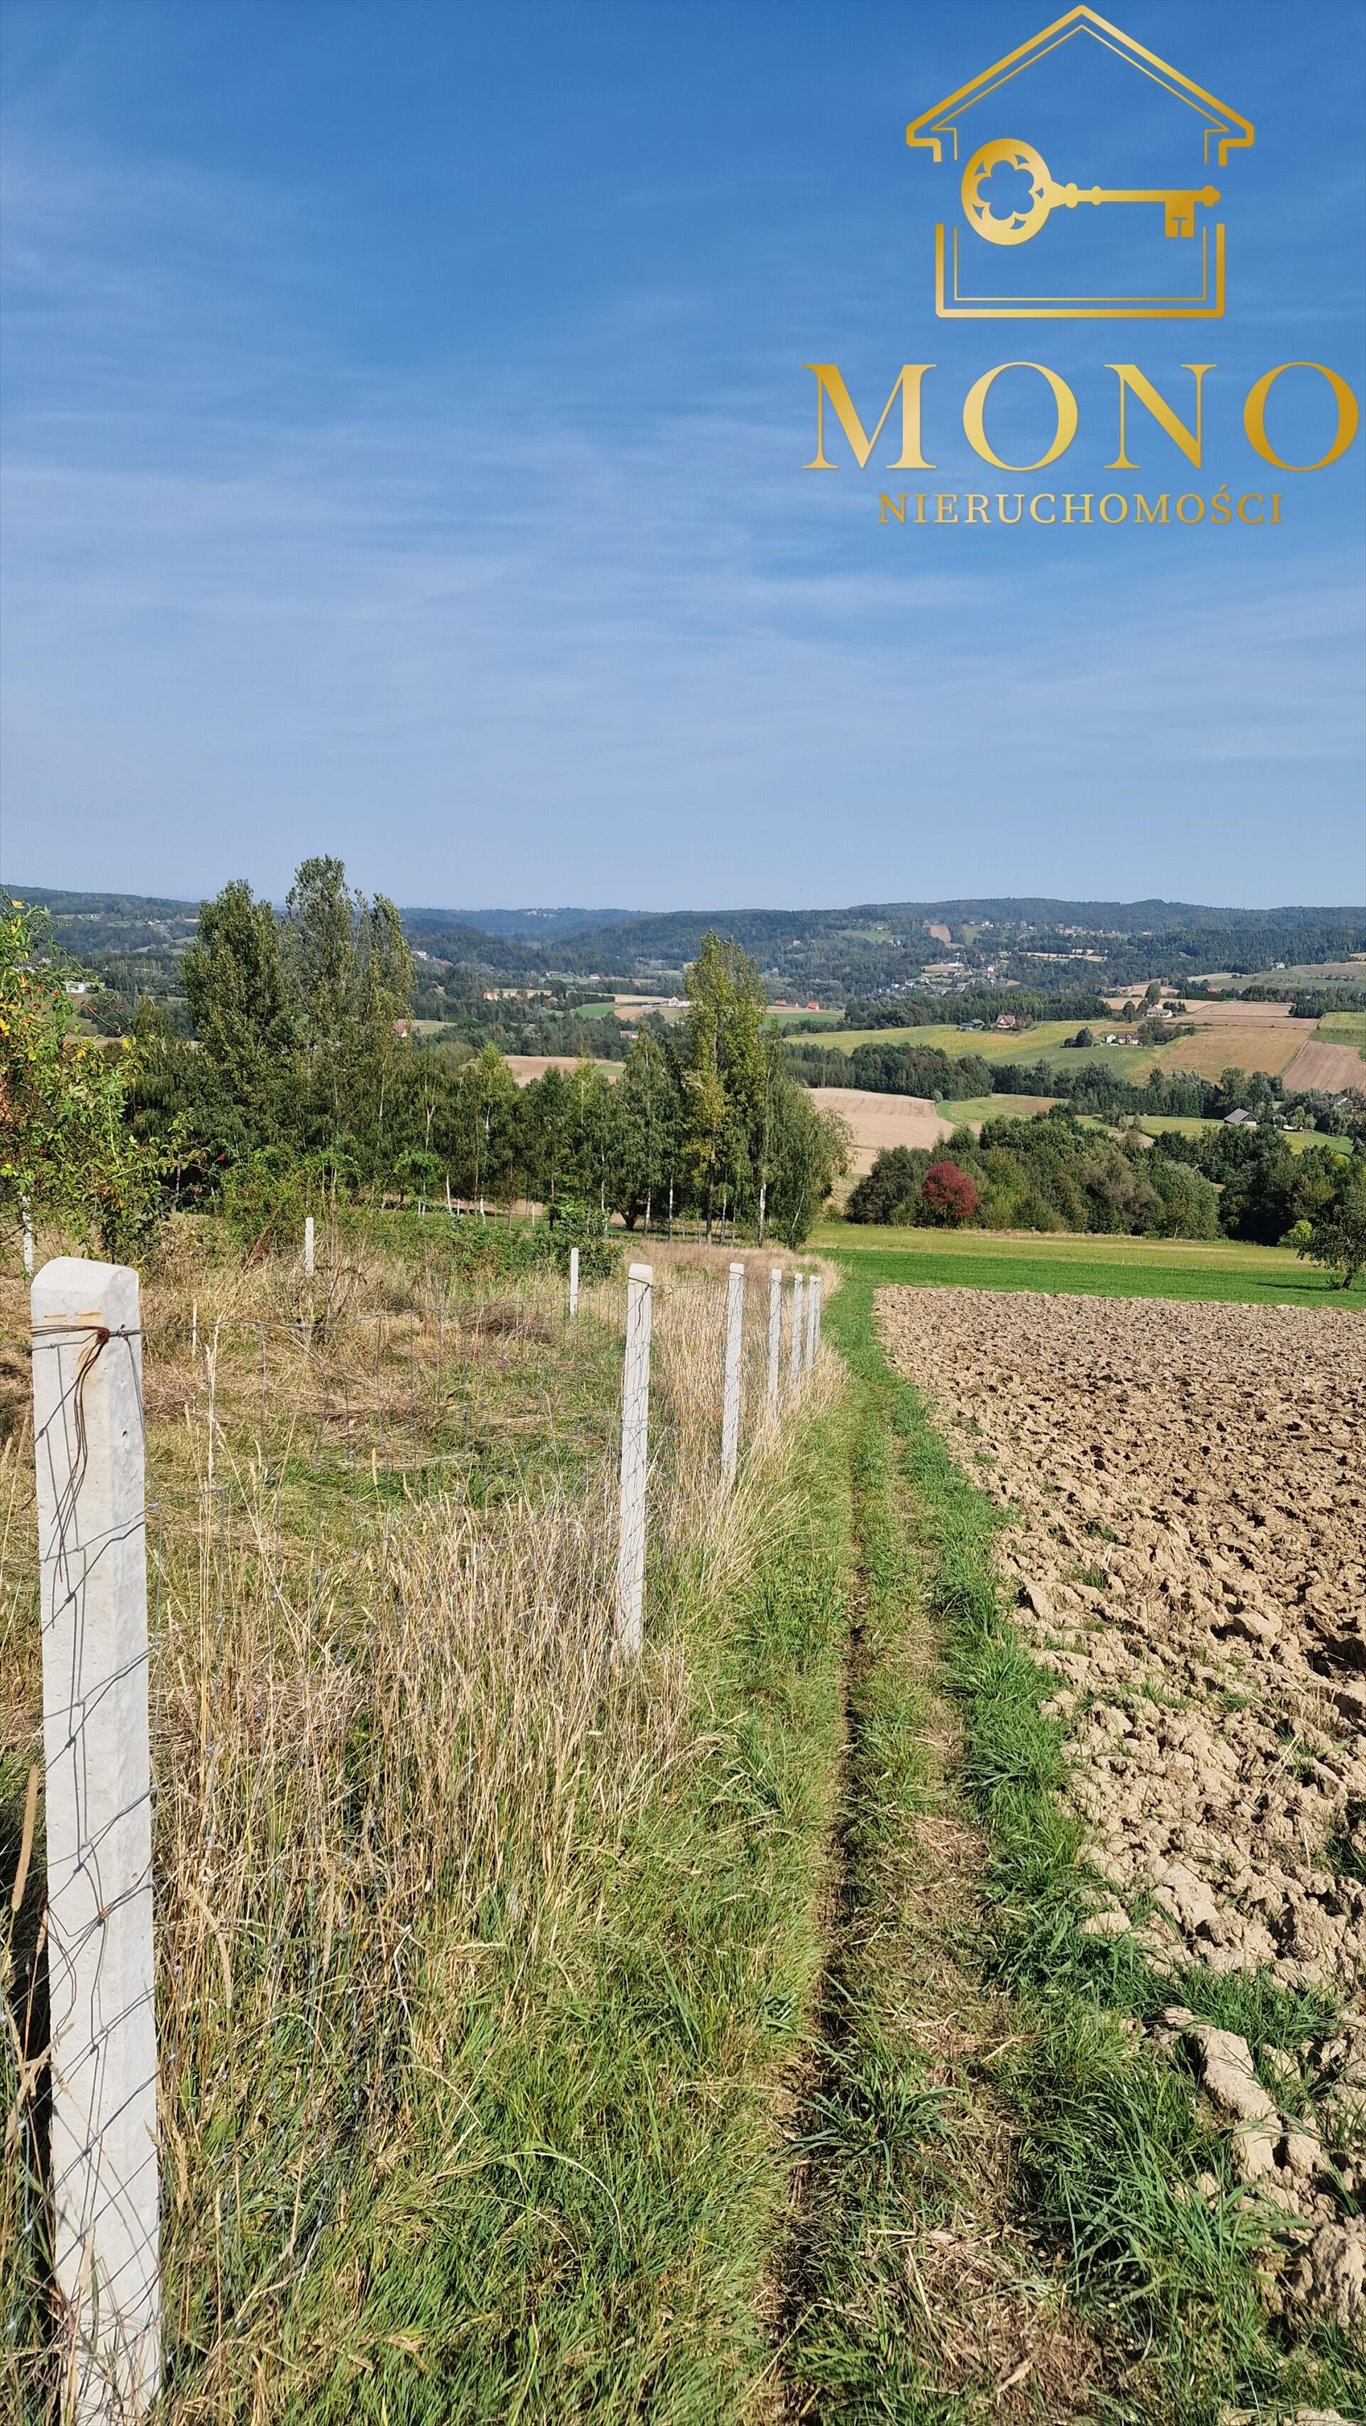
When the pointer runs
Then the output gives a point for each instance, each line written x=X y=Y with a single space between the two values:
x=302 y=1062
x=1052 y=1173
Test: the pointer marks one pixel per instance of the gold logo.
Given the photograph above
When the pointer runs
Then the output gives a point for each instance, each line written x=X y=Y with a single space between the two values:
x=1011 y=200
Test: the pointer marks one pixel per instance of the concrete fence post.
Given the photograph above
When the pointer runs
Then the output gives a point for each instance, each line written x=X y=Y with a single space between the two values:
x=92 y=1541
x=26 y=1227
x=635 y=1451
x=775 y=1334
x=308 y=1246
x=730 y=1398
x=813 y=1315
x=794 y=1338
x=573 y=1280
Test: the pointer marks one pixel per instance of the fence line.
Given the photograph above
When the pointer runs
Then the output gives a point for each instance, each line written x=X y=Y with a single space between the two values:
x=231 y=1473
x=730 y=1397
x=87 y=1386
x=635 y=1446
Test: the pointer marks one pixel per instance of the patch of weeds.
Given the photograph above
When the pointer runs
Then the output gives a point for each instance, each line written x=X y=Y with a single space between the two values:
x=1345 y=1850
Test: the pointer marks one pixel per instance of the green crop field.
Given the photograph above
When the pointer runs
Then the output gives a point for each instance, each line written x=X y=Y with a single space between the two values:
x=1344 y=1028
x=1070 y=1264
x=1175 y=1124
x=992 y=1043
x=787 y=1019
x=995 y=1107
x=1300 y=1141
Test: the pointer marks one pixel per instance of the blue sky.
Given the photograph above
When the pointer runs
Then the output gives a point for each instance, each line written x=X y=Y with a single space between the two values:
x=404 y=422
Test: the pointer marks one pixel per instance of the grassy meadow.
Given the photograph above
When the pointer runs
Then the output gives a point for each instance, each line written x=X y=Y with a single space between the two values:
x=1069 y=1263
x=977 y=1108
x=1344 y=1028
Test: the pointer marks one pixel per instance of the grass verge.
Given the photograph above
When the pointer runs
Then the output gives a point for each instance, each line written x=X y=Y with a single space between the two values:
x=1219 y=1270
x=1111 y=2141
x=482 y=1958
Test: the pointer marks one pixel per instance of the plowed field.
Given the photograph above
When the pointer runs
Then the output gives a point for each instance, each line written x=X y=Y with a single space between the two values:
x=1187 y=1487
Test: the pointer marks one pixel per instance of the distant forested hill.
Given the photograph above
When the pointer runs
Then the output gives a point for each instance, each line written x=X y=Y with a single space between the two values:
x=873 y=949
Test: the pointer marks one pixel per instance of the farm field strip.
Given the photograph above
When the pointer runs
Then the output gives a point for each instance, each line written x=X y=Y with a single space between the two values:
x=977 y=1108
x=1187 y=1543
x=1261 y=1036
x=1071 y=1263
x=1344 y=1028
x=877 y=1121
x=1332 y=1067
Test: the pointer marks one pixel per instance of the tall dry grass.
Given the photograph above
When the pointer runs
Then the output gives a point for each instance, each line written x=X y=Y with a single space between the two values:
x=394 y=1756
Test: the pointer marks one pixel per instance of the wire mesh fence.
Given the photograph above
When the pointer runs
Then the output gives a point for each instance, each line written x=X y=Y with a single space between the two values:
x=383 y=1552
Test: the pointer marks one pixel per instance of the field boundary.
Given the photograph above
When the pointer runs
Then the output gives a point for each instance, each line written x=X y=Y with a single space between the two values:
x=1111 y=2139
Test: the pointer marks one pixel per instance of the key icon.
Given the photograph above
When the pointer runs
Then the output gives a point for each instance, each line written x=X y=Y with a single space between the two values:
x=1046 y=195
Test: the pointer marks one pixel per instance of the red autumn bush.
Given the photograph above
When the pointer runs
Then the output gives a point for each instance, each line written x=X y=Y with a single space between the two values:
x=949 y=1195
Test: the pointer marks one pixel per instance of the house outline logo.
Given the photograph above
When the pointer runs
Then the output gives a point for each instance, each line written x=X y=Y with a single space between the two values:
x=1186 y=208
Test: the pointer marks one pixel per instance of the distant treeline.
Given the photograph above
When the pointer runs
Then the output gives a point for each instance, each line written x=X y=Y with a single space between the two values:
x=1051 y=1173
x=1311 y=1002
x=941 y=1010
x=900 y=1069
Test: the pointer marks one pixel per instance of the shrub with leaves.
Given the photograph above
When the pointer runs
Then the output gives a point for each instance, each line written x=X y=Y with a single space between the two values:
x=66 y=1150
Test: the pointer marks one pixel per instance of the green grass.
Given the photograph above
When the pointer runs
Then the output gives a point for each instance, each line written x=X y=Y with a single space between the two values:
x=785 y=1019
x=993 y=1044
x=1176 y=1124
x=1300 y=1141
x=584 y=2229
x=1066 y=1263
x=875 y=2131
x=1109 y=2132
x=995 y=1107
x=1344 y=1028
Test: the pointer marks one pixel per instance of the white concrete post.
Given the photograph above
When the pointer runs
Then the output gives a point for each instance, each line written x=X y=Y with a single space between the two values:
x=26 y=1227
x=308 y=1246
x=794 y=1338
x=775 y=1333
x=92 y=1542
x=813 y=1301
x=730 y=1400
x=573 y=1280
x=635 y=1450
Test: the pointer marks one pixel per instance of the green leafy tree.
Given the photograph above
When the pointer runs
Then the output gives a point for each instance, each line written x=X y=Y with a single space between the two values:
x=485 y=1139
x=649 y=1113
x=66 y=1148
x=1335 y=1234
x=547 y=1111
x=808 y=1151
x=350 y=975
x=726 y=1080
x=239 y=1002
